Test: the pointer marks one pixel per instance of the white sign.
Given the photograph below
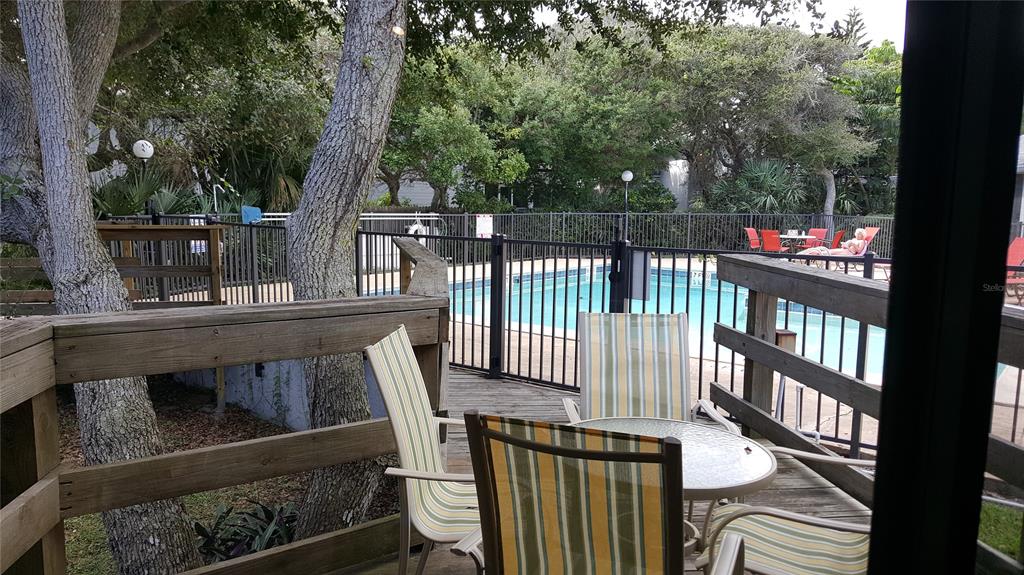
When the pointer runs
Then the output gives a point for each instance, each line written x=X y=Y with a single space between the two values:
x=484 y=225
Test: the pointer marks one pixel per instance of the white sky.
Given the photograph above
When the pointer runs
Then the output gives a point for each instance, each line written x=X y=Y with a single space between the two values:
x=884 y=19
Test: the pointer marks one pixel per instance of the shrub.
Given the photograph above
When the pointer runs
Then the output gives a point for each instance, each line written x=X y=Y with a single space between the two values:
x=233 y=534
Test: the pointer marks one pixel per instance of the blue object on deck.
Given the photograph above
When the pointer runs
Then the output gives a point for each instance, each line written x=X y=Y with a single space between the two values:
x=251 y=215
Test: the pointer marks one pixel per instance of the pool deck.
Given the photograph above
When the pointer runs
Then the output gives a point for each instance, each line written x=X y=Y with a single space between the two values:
x=795 y=487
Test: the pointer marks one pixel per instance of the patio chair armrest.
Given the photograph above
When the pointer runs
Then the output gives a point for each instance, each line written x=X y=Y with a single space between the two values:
x=731 y=556
x=449 y=421
x=572 y=409
x=818 y=458
x=708 y=409
x=428 y=475
x=788 y=515
x=471 y=546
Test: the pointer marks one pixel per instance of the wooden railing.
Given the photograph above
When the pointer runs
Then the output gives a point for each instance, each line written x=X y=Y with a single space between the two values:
x=859 y=299
x=39 y=354
x=128 y=240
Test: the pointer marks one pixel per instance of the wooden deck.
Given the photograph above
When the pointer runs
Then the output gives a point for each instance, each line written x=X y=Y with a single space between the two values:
x=795 y=488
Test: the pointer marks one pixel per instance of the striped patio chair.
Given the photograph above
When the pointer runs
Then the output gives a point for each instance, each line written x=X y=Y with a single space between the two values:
x=778 y=542
x=636 y=365
x=564 y=499
x=441 y=506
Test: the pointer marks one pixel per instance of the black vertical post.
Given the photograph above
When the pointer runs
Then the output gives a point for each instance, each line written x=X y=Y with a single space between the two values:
x=359 y=262
x=862 y=361
x=497 y=356
x=163 y=286
x=963 y=74
x=254 y=264
x=618 y=277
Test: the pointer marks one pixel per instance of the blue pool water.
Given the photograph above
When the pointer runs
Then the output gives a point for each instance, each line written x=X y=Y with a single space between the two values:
x=548 y=303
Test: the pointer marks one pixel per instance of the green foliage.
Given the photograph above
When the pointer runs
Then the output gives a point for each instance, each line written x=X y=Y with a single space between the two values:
x=762 y=187
x=452 y=122
x=852 y=30
x=233 y=534
x=129 y=194
x=647 y=196
x=473 y=199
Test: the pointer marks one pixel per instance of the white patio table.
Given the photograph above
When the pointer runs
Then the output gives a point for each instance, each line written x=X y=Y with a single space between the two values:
x=716 y=464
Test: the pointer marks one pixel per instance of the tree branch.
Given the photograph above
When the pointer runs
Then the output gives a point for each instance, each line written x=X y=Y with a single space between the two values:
x=92 y=42
x=151 y=33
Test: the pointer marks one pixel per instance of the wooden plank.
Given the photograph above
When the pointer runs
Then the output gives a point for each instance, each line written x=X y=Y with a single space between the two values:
x=95 y=357
x=36 y=263
x=429 y=361
x=139 y=321
x=112 y=232
x=762 y=309
x=430 y=277
x=18 y=334
x=318 y=555
x=115 y=485
x=835 y=384
x=47 y=454
x=26 y=519
x=1006 y=461
x=848 y=295
x=25 y=374
x=855 y=297
x=851 y=481
x=44 y=295
x=163 y=271
x=992 y=562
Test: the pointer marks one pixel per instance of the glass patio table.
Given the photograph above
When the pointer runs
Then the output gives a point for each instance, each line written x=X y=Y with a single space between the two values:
x=716 y=464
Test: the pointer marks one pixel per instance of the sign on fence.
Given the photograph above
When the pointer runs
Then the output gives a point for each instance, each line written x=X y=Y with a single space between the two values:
x=484 y=225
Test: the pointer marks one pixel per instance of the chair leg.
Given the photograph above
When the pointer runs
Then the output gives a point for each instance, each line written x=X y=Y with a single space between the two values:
x=404 y=528
x=427 y=547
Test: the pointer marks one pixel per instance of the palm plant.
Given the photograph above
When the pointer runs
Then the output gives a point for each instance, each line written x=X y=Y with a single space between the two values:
x=762 y=187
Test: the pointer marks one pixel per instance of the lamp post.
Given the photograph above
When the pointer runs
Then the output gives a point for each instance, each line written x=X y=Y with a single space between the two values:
x=627 y=177
x=143 y=150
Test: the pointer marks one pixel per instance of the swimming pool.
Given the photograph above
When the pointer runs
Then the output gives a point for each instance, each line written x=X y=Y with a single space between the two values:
x=547 y=303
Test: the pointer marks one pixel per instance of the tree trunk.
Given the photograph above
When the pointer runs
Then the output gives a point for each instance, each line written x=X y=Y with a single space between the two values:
x=439 y=203
x=393 y=180
x=321 y=240
x=830 y=190
x=116 y=417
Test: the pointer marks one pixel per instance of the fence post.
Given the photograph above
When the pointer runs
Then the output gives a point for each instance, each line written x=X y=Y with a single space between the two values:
x=359 y=262
x=163 y=286
x=619 y=277
x=497 y=355
x=254 y=265
x=862 y=361
x=762 y=310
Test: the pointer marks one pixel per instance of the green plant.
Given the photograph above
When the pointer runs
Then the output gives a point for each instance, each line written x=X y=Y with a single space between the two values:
x=233 y=534
x=762 y=187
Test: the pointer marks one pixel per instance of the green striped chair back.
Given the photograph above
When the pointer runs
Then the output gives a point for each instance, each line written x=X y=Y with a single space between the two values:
x=405 y=397
x=563 y=499
x=633 y=365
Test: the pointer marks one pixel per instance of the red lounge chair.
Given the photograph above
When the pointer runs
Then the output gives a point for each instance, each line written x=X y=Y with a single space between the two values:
x=869 y=234
x=772 y=242
x=1015 y=280
x=818 y=240
x=838 y=239
x=755 y=242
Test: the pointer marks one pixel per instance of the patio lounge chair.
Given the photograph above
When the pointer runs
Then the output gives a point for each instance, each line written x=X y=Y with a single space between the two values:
x=771 y=242
x=818 y=240
x=781 y=542
x=1015 y=280
x=837 y=239
x=588 y=501
x=755 y=242
x=636 y=365
x=441 y=506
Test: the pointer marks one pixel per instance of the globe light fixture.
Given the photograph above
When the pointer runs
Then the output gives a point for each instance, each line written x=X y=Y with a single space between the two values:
x=627 y=177
x=143 y=150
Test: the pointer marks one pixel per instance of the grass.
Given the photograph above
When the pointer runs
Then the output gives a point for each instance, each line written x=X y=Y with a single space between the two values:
x=1000 y=527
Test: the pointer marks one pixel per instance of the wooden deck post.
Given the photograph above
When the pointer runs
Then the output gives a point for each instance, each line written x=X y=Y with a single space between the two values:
x=30 y=452
x=762 y=310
